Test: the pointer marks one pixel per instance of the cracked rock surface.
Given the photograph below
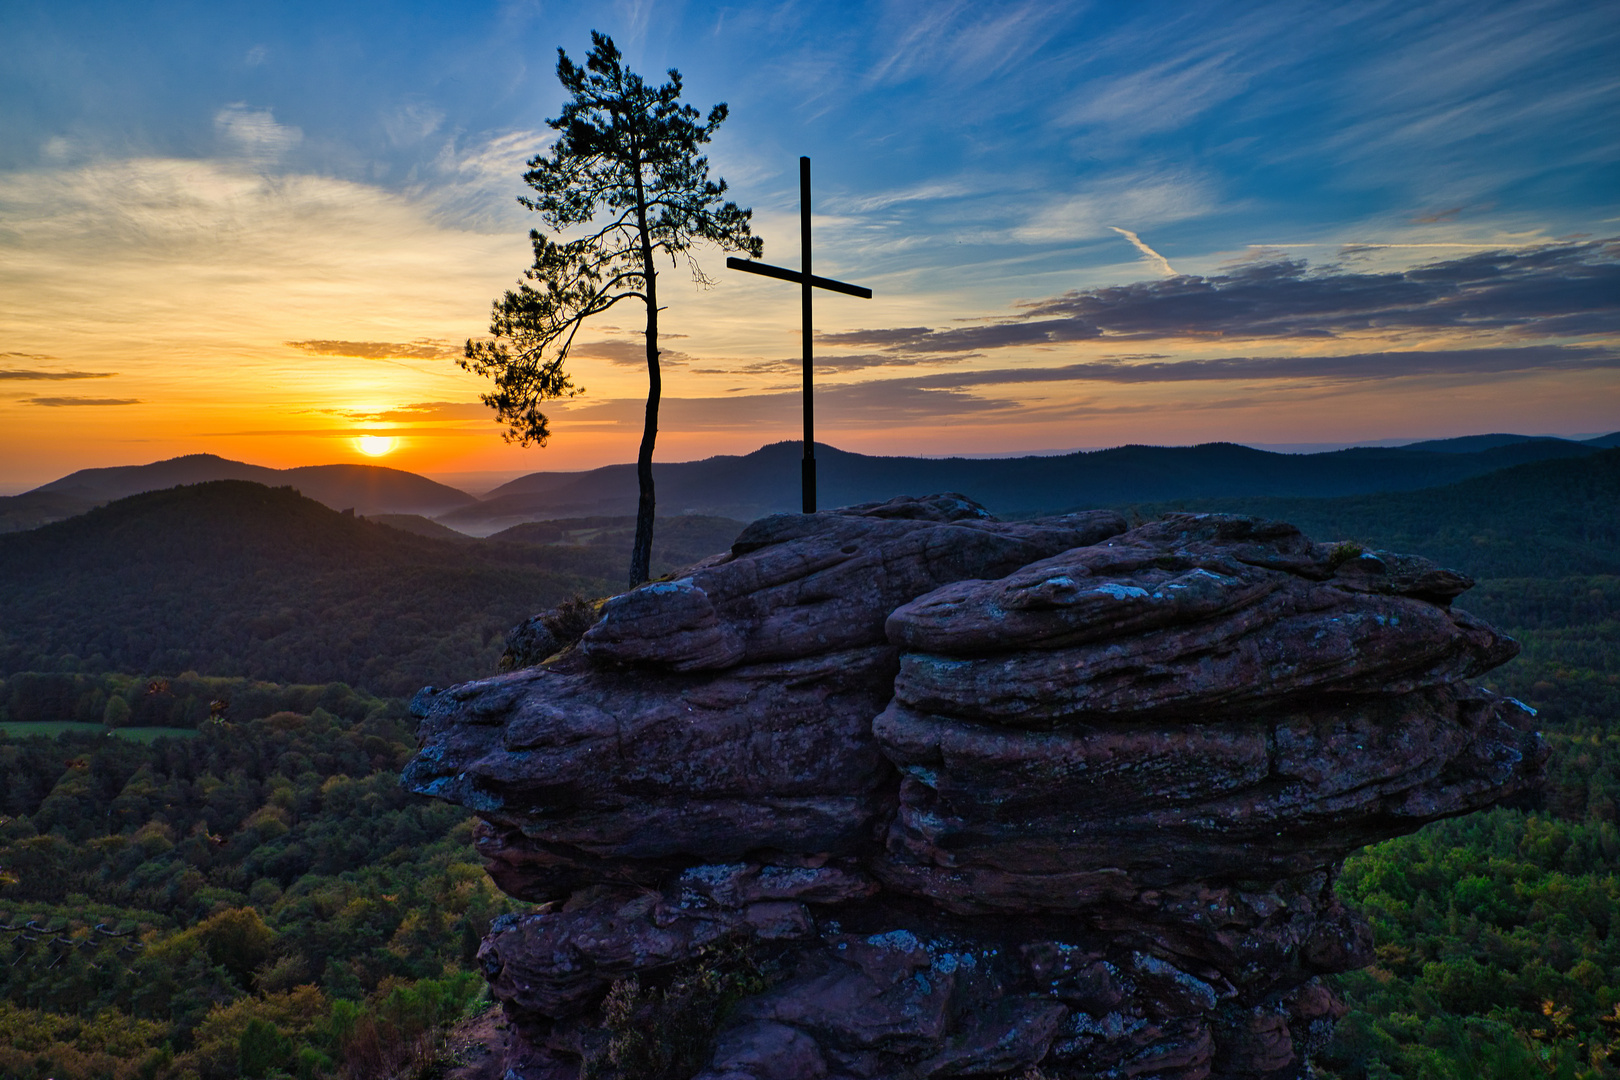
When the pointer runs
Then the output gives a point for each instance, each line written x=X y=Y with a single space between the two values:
x=991 y=795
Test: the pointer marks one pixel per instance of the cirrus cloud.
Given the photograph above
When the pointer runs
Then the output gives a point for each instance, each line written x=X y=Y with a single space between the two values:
x=31 y=374
x=63 y=402
x=420 y=349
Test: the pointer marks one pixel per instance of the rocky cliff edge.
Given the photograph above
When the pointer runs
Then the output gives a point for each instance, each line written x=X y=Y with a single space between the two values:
x=989 y=796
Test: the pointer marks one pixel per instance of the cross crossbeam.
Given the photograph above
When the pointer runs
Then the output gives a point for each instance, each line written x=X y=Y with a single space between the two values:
x=806 y=282
x=767 y=270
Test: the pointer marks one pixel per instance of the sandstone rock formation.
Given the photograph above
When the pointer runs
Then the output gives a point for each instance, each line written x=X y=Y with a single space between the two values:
x=992 y=796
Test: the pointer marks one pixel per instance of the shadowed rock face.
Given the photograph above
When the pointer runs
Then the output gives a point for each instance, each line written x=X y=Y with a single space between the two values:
x=995 y=794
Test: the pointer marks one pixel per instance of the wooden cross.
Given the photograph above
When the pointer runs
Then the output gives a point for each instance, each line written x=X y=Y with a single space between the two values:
x=806 y=281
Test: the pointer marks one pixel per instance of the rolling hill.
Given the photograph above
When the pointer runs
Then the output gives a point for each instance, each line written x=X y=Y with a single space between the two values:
x=234 y=578
x=365 y=489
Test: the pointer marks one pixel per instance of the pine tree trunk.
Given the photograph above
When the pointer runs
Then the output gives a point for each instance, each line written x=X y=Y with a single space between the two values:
x=641 y=554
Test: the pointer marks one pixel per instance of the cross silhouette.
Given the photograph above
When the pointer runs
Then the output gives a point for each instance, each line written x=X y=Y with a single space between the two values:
x=806 y=281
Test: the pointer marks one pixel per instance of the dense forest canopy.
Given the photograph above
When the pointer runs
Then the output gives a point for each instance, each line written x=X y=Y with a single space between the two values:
x=258 y=899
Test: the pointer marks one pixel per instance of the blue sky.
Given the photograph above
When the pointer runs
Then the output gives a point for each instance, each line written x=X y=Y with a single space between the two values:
x=1086 y=224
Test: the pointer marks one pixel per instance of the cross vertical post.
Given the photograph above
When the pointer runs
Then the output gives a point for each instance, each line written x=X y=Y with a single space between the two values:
x=807 y=468
x=806 y=281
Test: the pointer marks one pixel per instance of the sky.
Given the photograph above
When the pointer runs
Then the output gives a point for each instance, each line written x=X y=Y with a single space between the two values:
x=265 y=231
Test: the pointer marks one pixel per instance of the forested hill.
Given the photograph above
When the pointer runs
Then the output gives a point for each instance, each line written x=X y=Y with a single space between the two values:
x=767 y=480
x=1543 y=519
x=366 y=489
x=234 y=578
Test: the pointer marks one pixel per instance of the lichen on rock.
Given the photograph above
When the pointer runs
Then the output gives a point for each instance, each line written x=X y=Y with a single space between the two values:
x=996 y=795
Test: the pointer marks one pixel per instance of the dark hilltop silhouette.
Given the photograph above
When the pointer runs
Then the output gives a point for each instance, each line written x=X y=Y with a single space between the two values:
x=766 y=481
x=365 y=489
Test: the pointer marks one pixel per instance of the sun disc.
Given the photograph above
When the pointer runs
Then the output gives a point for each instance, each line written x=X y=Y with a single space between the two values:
x=375 y=445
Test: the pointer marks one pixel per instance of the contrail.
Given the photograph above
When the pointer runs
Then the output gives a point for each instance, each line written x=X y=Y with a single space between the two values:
x=1147 y=253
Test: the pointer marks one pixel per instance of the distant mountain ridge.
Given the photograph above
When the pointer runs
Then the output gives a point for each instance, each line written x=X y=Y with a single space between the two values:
x=365 y=489
x=766 y=481
x=117 y=481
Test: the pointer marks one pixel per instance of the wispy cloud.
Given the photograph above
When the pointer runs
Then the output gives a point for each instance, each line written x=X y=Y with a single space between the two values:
x=475 y=181
x=1163 y=70
x=968 y=39
x=350 y=432
x=1146 y=198
x=1447 y=80
x=422 y=412
x=626 y=353
x=996 y=335
x=408 y=124
x=836 y=363
x=929 y=192
x=26 y=374
x=254 y=135
x=61 y=402
x=891 y=402
x=1472 y=363
x=421 y=349
x=1162 y=97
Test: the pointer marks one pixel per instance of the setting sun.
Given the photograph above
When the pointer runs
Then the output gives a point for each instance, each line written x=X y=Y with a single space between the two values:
x=376 y=445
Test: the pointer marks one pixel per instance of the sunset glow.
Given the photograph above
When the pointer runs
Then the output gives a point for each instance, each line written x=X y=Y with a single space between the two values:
x=376 y=445
x=1150 y=223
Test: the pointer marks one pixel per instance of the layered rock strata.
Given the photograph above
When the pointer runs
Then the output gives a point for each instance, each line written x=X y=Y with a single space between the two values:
x=993 y=796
